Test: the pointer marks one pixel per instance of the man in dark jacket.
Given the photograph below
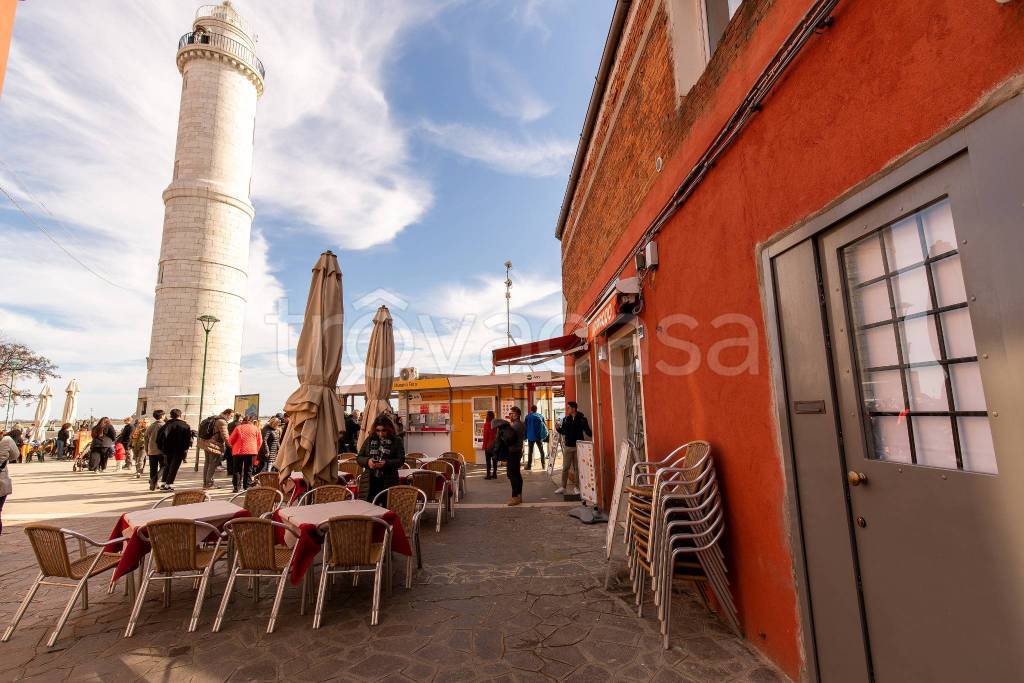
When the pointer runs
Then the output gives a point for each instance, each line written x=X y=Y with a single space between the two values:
x=513 y=433
x=156 y=456
x=574 y=427
x=174 y=440
x=124 y=438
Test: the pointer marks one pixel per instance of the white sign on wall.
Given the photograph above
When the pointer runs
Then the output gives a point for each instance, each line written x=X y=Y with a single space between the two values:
x=587 y=471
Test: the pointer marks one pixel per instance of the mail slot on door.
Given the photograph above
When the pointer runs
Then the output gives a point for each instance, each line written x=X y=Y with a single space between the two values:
x=809 y=407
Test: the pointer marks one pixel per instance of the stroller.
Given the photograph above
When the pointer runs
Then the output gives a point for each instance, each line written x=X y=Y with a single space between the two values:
x=39 y=450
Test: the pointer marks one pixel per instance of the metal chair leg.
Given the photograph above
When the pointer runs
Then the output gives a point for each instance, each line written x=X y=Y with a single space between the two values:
x=318 y=611
x=437 y=528
x=21 y=609
x=419 y=553
x=408 y=572
x=82 y=585
x=227 y=598
x=203 y=583
x=281 y=581
x=139 y=599
x=375 y=610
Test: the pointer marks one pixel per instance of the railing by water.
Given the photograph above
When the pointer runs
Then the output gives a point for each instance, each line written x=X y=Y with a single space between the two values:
x=222 y=42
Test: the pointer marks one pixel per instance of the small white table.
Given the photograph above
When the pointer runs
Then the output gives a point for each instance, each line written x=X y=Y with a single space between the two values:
x=316 y=515
x=212 y=512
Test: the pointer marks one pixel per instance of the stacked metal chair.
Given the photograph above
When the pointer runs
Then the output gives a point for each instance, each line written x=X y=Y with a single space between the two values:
x=674 y=527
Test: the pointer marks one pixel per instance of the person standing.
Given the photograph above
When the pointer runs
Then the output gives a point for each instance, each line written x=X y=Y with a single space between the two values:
x=381 y=454
x=8 y=451
x=174 y=440
x=491 y=462
x=138 y=444
x=513 y=434
x=245 y=442
x=536 y=433
x=102 y=447
x=271 y=443
x=574 y=427
x=153 y=452
x=124 y=438
x=60 y=446
x=213 y=447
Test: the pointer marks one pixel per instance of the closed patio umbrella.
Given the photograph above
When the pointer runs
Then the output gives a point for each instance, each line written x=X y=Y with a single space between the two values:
x=70 y=402
x=314 y=412
x=380 y=371
x=42 y=413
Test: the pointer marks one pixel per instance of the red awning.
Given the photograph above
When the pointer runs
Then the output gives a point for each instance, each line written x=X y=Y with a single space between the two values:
x=537 y=352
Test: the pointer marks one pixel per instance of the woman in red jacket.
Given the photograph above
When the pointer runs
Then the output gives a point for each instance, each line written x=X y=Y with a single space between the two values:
x=245 y=443
x=492 y=464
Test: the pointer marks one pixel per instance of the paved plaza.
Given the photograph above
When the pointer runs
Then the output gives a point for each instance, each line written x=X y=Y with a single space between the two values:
x=505 y=595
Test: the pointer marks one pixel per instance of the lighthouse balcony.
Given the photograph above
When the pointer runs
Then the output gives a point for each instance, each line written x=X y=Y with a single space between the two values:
x=218 y=43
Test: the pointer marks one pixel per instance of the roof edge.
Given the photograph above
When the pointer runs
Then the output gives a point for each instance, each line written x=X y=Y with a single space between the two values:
x=611 y=48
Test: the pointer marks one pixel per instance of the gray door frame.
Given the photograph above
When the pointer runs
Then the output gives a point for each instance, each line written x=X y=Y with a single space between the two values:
x=1000 y=119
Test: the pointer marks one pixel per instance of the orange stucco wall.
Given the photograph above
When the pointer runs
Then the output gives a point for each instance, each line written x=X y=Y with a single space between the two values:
x=884 y=79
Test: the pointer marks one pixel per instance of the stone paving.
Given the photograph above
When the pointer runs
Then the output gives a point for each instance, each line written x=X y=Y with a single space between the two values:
x=505 y=595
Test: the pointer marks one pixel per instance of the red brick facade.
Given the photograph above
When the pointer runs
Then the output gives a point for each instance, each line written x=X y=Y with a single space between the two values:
x=861 y=97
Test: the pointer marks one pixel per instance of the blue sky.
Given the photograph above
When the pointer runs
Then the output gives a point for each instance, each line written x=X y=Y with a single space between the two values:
x=425 y=143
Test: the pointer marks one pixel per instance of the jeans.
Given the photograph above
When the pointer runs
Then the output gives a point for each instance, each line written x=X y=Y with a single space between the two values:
x=140 y=460
x=529 y=454
x=156 y=464
x=174 y=461
x=242 y=471
x=209 y=467
x=491 y=463
x=515 y=476
x=58 y=449
x=569 y=462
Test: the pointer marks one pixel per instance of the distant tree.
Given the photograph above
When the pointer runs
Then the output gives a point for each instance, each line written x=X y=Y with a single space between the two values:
x=17 y=361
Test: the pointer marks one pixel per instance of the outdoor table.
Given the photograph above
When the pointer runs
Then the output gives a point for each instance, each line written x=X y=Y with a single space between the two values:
x=306 y=518
x=300 y=487
x=214 y=512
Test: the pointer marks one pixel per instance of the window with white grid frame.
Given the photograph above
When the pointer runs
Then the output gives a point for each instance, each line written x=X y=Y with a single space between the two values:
x=924 y=403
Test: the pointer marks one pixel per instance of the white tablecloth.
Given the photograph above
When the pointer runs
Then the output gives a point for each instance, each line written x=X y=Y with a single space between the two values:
x=212 y=512
x=318 y=514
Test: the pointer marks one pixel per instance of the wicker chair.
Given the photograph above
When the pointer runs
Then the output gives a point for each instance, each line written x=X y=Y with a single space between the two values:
x=413 y=463
x=267 y=480
x=176 y=555
x=426 y=481
x=184 y=497
x=349 y=549
x=408 y=502
x=329 y=493
x=342 y=457
x=256 y=553
x=463 y=467
x=259 y=501
x=458 y=464
x=49 y=543
x=448 y=470
x=350 y=467
x=416 y=455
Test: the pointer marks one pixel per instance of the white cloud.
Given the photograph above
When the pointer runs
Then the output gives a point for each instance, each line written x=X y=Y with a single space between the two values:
x=88 y=120
x=503 y=88
x=527 y=155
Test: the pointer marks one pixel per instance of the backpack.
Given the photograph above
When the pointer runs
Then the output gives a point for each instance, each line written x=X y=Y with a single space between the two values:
x=207 y=428
x=504 y=437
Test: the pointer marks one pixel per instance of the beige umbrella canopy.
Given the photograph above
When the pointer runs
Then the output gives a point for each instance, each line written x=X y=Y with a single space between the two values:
x=380 y=371
x=314 y=411
x=42 y=413
x=70 y=402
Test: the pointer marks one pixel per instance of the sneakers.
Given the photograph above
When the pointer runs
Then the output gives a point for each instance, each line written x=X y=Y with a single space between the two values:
x=574 y=491
x=514 y=500
x=560 y=489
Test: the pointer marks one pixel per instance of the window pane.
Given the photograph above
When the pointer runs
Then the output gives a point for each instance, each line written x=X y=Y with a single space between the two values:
x=877 y=347
x=903 y=244
x=938 y=228
x=920 y=340
x=958 y=334
x=967 y=390
x=976 y=449
x=949 y=281
x=927 y=388
x=871 y=304
x=910 y=291
x=883 y=391
x=933 y=442
x=863 y=260
x=892 y=442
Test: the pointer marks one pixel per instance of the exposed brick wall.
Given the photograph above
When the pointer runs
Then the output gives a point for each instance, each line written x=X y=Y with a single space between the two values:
x=642 y=118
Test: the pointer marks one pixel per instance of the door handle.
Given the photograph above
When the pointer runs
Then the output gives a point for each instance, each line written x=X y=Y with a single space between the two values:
x=856 y=478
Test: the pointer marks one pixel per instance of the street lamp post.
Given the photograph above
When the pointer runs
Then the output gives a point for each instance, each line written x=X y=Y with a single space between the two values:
x=208 y=321
x=508 y=306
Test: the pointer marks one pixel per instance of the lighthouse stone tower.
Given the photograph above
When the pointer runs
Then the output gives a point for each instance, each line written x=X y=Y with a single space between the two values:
x=204 y=254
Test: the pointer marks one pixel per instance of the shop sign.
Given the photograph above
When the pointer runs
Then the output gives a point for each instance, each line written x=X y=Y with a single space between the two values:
x=424 y=409
x=444 y=408
x=587 y=471
x=605 y=316
x=419 y=384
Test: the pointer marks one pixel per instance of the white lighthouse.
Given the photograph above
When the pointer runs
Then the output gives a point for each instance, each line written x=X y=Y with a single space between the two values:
x=204 y=254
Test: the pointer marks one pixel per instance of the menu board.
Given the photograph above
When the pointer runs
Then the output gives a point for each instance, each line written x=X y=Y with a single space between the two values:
x=623 y=462
x=587 y=471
